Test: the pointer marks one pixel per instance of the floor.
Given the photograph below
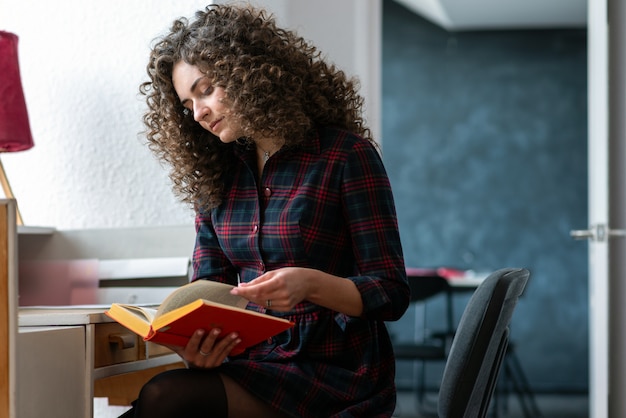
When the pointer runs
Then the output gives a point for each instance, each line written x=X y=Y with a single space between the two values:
x=550 y=406
x=101 y=409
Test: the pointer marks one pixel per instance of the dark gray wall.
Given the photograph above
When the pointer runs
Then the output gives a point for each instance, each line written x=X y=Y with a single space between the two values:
x=485 y=142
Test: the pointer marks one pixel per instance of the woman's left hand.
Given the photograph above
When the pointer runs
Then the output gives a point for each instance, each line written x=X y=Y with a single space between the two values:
x=206 y=349
x=279 y=290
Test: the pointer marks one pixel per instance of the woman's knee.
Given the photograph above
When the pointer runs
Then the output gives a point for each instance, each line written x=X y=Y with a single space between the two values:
x=183 y=392
x=160 y=385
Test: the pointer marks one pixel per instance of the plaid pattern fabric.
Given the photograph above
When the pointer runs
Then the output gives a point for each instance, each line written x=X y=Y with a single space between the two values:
x=327 y=205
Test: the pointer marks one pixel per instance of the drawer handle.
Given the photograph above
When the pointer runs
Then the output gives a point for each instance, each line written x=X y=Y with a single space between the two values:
x=122 y=341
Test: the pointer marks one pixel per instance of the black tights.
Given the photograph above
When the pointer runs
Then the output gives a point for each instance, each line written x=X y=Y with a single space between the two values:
x=188 y=393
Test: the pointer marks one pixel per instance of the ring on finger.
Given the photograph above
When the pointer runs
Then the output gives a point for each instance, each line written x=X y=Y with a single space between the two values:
x=268 y=303
x=204 y=353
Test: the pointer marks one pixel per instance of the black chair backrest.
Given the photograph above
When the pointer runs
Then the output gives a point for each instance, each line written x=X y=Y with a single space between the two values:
x=479 y=345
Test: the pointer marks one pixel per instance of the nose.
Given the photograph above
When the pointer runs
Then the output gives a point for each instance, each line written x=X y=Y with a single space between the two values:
x=200 y=110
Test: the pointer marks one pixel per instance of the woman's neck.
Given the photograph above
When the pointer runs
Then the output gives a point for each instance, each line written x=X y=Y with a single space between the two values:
x=265 y=148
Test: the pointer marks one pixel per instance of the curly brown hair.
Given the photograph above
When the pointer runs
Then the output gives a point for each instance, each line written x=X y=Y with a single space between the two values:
x=276 y=84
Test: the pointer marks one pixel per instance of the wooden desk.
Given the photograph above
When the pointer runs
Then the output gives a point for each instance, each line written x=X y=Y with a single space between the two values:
x=89 y=345
x=53 y=361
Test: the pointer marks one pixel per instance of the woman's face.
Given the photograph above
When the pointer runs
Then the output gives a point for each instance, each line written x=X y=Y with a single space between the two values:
x=198 y=95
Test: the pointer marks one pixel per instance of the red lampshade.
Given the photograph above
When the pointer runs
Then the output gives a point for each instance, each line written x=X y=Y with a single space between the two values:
x=15 y=132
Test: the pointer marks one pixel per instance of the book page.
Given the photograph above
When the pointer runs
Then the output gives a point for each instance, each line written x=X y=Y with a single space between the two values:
x=201 y=289
x=146 y=314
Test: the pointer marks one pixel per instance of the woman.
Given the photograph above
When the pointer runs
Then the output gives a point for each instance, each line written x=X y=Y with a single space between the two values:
x=266 y=141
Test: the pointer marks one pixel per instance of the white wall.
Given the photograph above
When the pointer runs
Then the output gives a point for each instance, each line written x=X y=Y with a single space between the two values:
x=81 y=64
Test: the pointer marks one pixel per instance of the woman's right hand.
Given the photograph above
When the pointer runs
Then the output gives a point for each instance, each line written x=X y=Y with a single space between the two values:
x=206 y=350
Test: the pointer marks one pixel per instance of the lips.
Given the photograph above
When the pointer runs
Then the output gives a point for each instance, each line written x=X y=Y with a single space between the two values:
x=214 y=123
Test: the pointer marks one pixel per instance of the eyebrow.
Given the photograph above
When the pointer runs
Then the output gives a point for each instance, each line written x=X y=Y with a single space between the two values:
x=194 y=85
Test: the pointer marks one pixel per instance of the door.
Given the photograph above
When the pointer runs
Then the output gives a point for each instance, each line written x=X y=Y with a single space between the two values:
x=607 y=210
x=598 y=208
x=616 y=231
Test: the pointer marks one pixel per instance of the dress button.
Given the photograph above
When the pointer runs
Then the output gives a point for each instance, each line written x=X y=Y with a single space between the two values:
x=255 y=228
x=267 y=192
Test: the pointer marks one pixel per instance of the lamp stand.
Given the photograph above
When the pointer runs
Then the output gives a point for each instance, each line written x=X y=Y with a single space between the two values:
x=8 y=192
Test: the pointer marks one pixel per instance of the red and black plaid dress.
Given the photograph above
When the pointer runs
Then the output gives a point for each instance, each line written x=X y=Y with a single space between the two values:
x=327 y=205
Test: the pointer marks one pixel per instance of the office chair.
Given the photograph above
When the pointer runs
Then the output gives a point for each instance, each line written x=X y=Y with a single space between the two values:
x=479 y=346
x=424 y=284
x=514 y=380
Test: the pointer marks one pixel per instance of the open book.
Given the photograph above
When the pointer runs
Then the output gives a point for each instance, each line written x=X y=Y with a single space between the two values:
x=201 y=304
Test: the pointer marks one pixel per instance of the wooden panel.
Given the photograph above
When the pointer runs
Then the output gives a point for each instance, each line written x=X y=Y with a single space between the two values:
x=156 y=350
x=115 y=344
x=51 y=369
x=5 y=337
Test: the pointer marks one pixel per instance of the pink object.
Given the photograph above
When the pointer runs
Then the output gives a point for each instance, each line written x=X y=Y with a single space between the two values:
x=15 y=132
x=445 y=272
x=421 y=272
x=58 y=282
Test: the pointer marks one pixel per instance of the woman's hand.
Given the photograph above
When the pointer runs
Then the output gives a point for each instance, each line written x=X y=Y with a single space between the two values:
x=279 y=290
x=206 y=350
x=282 y=289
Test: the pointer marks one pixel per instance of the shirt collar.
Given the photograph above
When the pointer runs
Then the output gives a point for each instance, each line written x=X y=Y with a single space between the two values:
x=311 y=145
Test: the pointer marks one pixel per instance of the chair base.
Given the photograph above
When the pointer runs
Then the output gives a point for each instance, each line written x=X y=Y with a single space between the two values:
x=513 y=377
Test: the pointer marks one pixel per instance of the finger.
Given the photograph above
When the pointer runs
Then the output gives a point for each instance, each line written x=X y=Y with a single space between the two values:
x=225 y=345
x=220 y=350
x=200 y=353
x=194 y=342
x=255 y=291
x=259 y=279
x=206 y=346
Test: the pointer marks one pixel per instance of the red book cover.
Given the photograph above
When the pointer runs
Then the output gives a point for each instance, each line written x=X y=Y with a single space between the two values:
x=177 y=318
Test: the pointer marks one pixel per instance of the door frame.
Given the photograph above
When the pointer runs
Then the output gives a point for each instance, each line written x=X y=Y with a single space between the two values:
x=598 y=112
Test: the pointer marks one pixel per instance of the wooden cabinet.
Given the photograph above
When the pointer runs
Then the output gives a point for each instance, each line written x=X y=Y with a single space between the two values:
x=8 y=308
x=51 y=373
x=53 y=360
x=74 y=349
x=115 y=344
